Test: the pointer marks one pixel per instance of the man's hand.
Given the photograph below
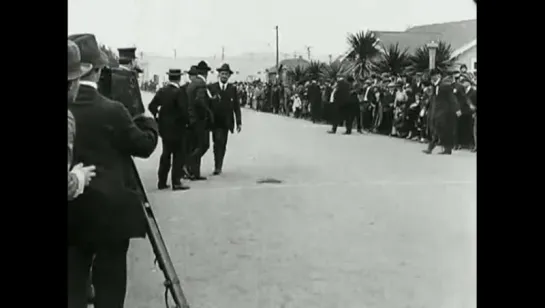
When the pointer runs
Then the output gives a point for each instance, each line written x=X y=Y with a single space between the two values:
x=458 y=113
x=239 y=128
x=88 y=172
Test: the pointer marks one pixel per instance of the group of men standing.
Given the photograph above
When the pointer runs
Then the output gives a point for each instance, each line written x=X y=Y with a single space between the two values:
x=186 y=115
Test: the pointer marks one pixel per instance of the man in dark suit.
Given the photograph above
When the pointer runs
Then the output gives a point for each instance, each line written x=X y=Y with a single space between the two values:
x=183 y=103
x=464 y=125
x=171 y=114
x=471 y=97
x=103 y=219
x=314 y=95
x=226 y=110
x=200 y=119
x=341 y=98
x=443 y=113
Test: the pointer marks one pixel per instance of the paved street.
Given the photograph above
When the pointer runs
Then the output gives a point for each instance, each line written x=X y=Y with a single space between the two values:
x=358 y=221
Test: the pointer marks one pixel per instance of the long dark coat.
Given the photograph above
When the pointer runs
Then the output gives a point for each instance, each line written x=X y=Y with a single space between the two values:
x=442 y=112
x=167 y=106
x=110 y=207
x=198 y=104
x=226 y=110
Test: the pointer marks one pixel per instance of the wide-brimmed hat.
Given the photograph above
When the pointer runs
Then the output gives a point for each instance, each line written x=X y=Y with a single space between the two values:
x=202 y=66
x=225 y=68
x=192 y=70
x=174 y=72
x=89 y=50
x=76 y=69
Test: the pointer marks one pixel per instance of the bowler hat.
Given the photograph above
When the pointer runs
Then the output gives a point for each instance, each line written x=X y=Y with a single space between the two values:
x=202 y=66
x=192 y=70
x=76 y=69
x=89 y=50
x=225 y=68
x=174 y=72
x=128 y=53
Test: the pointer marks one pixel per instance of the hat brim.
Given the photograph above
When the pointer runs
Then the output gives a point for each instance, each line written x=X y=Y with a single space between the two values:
x=224 y=70
x=83 y=69
x=174 y=74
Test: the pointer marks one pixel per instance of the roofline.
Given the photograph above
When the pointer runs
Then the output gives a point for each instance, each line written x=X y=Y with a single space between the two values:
x=442 y=23
x=464 y=48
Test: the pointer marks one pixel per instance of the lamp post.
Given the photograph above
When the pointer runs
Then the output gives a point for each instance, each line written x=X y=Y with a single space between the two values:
x=432 y=48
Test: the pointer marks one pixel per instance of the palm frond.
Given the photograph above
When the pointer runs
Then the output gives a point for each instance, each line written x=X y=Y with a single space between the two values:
x=443 y=58
x=332 y=71
x=297 y=74
x=314 y=70
x=362 y=50
x=394 y=60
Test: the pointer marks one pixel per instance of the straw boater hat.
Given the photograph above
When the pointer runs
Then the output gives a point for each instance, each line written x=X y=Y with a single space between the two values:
x=174 y=72
x=76 y=69
x=225 y=68
x=89 y=50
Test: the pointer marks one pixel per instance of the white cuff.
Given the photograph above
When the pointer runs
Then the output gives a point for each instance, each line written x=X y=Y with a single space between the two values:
x=81 y=181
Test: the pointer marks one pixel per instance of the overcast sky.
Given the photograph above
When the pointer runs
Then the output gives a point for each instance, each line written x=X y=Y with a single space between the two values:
x=202 y=27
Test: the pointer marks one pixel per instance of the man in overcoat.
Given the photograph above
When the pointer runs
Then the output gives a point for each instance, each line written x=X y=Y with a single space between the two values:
x=314 y=95
x=201 y=119
x=103 y=219
x=341 y=100
x=226 y=110
x=443 y=114
x=171 y=114
x=183 y=103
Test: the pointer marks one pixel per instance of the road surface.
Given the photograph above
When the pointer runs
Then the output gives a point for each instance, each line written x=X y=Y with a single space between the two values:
x=358 y=221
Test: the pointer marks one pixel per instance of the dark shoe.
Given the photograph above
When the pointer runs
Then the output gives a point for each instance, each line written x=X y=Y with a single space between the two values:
x=331 y=132
x=162 y=186
x=445 y=153
x=347 y=133
x=180 y=187
x=216 y=172
x=426 y=152
x=360 y=131
x=198 y=178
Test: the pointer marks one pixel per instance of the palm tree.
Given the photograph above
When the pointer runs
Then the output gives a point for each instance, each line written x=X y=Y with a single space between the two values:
x=443 y=58
x=361 y=53
x=314 y=70
x=394 y=60
x=297 y=74
x=113 y=60
x=332 y=71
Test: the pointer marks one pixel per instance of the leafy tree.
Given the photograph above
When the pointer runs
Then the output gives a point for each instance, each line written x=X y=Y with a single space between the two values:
x=297 y=74
x=394 y=60
x=361 y=53
x=443 y=58
x=314 y=70
x=332 y=71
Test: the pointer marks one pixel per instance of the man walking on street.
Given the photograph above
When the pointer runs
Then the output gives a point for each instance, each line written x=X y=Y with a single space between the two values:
x=200 y=119
x=226 y=109
x=168 y=109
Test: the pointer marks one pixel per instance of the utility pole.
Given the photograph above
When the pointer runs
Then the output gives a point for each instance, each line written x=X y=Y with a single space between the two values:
x=330 y=58
x=277 y=50
x=222 y=53
x=308 y=51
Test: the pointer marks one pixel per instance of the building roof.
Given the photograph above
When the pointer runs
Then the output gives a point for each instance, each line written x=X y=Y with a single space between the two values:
x=456 y=33
x=412 y=40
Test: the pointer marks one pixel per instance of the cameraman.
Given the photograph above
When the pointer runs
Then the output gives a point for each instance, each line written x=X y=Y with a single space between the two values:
x=79 y=176
x=103 y=219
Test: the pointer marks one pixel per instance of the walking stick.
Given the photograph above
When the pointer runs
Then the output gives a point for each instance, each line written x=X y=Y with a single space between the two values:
x=172 y=282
